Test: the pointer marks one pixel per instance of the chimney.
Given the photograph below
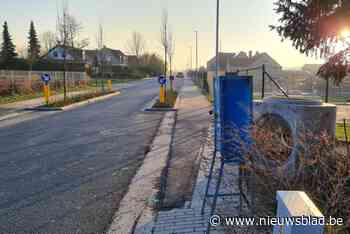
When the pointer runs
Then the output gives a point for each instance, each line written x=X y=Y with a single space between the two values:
x=250 y=54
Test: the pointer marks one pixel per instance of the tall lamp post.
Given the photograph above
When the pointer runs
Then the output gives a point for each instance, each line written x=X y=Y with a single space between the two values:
x=215 y=120
x=190 y=47
x=196 y=33
x=217 y=38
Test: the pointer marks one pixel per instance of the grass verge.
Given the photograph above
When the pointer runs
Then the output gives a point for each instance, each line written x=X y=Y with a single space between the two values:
x=19 y=97
x=169 y=100
x=75 y=99
x=340 y=133
x=92 y=85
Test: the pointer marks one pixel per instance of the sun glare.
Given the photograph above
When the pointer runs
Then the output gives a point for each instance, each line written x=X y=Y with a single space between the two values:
x=345 y=33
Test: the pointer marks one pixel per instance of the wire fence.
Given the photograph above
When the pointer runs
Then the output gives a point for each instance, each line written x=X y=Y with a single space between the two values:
x=266 y=81
x=271 y=81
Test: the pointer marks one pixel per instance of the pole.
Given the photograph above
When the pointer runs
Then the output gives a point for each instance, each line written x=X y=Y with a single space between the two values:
x=217 y=39
x=327 y=90
x=346 y=136
x=215 y=115
x=263 y=82
x=190 y=58
x=196 y=32
x=64 y=73
x=165 y=49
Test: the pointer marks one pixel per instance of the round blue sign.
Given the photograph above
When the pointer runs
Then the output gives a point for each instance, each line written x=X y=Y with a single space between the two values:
x=162 y=80
x=45 y=78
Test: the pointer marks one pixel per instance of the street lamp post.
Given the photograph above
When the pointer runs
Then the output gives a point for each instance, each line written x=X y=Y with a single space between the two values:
x=217 y=39
x=190 y=47
x=196 y=33
x=215 y=120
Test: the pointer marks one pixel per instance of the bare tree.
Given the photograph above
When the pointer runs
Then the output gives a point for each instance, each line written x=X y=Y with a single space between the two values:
x=136 y=45
x=164 y=38
x=171 y=51
x=63 y=39
x=68 y=29
x=101 y=55
x=48 y=40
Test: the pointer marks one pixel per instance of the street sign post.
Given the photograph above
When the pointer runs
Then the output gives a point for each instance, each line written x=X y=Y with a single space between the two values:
x=162 y=80
x=171 y=78
x=46 y=78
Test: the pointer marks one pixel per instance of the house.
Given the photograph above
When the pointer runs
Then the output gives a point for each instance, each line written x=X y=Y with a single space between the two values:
x=311 y=68
x=112 y=60
x=232 y=62
x=59 y=53
x=132 y=60
x=107 y=56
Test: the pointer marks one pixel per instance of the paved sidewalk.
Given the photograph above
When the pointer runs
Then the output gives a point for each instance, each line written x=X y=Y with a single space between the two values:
x=190 y=133
x=186 y=180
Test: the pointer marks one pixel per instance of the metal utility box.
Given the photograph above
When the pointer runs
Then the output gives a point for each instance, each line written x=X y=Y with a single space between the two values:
x=233 y=107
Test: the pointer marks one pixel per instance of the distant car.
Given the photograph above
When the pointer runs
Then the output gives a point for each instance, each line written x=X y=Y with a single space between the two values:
x=180 y=75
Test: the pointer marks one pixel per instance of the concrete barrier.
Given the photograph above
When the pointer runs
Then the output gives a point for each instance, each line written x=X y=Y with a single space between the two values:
x=297 y=204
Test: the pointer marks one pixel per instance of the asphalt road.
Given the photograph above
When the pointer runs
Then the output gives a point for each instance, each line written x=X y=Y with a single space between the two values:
x=66 y=172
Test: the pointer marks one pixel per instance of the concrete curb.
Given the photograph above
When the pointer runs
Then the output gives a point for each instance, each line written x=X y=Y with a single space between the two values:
x=90 y=101
x=137 y=206
x=14 y=115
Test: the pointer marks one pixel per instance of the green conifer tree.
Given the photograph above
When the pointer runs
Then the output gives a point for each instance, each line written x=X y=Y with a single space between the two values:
x=34 y=46
x=8 y=51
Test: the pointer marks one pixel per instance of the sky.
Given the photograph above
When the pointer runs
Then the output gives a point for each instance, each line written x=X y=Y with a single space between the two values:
x=244 y=25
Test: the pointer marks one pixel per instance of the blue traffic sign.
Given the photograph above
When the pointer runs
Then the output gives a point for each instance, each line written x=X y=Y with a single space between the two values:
x=162 y=80
x=46 y=78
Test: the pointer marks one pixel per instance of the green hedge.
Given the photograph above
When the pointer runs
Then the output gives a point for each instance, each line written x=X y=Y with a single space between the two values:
x=42 y=65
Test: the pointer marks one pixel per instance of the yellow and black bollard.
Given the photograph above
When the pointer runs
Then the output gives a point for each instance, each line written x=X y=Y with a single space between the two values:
x=162 y=90
x=47 y=93
x=162 y=94
x=110 y=87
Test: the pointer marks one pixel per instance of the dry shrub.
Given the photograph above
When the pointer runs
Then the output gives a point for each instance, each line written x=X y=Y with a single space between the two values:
x=321 y=171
